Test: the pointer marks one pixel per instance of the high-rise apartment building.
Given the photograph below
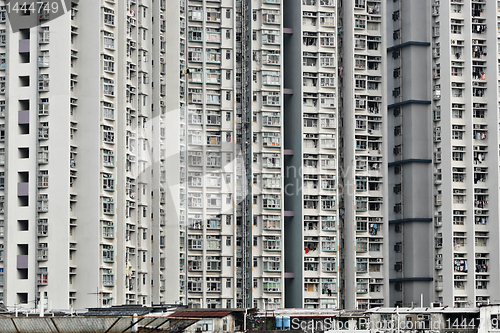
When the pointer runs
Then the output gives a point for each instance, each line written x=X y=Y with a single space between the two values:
x=82 y=156
x=301 y=153
x=443 y=170
x=364 y=154
x=311 y=165
x=228 y=56
x=261 y=191
x=269 y=191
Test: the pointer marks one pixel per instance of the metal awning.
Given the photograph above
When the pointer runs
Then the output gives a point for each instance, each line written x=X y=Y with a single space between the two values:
x=106 y=324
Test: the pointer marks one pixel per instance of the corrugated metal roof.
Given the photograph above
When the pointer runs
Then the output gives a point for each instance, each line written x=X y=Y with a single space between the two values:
x=92 y=324
x=444 y=310
x=117 y=311
x=200 y=314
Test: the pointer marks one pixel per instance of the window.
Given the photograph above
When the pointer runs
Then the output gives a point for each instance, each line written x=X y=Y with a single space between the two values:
x=108 y=135
x=195 y=242
x=213 y=35
x=271 y=222
x=270 y=16
x=213 y=76
x=108 y=158
x=108 y=182
x=108 y=63
x=271 y=201
x=195 y=158
x=108 y=254
x=213 y=200
x=43 y=179
x=109 y=17
x=213 y=55
x=195 y=34
x=43 y=82
x=328 y=203
x=271 y=285
x=194 y=284
x=271 y=139
x=271 y=264
x=327 y=60
x=328 y=265
x=108 y=278
x=213 y=284
x=195 y=137
x=213 y=242
x=195 y=54
x=43 y=203
x=195 y=117
x=214 y=159
x=458 y=156
x=195 y=179
x=108 y=230
x=271 y=243
x=329 y=244
x=271 y=78
x=43 y=251
x=271 y=37
x=108 y=87
x=271 y=160
x=108 y=40
x=108 y=206
x=212 y=97
x=108 y=111
x=327 y=39
x=213 y=118
x=195 y=200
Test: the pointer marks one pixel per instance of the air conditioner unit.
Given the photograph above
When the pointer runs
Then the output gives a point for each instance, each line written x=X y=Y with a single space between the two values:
x=453 y=41
x=436 y=305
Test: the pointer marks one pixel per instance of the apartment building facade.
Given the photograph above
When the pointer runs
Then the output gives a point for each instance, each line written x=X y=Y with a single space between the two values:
x=283 y=182
x=259 y=96
x=444 y=169
x=311 y=168
x=83 y=175
x=230 y=162
x=364 y=154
